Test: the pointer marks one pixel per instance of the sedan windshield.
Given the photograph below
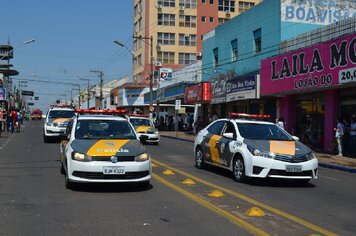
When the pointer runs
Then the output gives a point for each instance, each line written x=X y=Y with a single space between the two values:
x=104 y=129
x=140 y=122
x=263 y=131
x=60 y=114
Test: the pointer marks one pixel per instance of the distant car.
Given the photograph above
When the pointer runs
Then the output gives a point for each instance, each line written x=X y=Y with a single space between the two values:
x=36 y=115
x=56 y=121
x=145 y=128
x=254 y=148
x=101 y=147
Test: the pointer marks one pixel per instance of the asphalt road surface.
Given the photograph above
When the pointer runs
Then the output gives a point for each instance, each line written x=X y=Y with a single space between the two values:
x=182 y=200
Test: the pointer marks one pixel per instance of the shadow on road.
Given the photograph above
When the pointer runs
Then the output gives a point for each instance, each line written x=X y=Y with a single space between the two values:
x=110 y=187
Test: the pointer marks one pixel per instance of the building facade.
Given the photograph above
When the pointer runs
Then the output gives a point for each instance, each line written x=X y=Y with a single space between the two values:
x=176 y=28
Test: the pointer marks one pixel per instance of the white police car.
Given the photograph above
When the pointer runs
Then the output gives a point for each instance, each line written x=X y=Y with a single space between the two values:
x=144 y=128
x=102 y=147
x=254 y=148
x=56 y=121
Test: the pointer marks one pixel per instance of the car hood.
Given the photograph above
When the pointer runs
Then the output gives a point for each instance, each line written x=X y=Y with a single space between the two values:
x=143 y=129
x=279 y=147
x=108 y=147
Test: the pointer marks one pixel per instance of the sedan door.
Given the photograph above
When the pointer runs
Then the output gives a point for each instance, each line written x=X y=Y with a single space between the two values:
x=210 y=142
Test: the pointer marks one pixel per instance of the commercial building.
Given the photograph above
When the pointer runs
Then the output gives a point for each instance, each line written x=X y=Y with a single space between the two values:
x=176 y=28
x=315 y=82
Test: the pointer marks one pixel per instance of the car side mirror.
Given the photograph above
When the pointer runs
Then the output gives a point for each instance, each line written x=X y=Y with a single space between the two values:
x=295 y=138
x=228 y=135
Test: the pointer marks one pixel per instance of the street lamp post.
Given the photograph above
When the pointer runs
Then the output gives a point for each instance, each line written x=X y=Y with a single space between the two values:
x=88 y=95
x=151 y=62
x=78 y=93
x=25 y=42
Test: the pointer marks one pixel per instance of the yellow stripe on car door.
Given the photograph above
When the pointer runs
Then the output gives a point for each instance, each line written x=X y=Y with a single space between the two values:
x=214 y=151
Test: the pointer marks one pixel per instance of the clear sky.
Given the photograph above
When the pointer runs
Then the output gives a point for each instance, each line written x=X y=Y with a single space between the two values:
x=72 y=38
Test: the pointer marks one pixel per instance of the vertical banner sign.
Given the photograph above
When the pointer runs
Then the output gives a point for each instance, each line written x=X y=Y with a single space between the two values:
x=2 y=94
x=177 y=105
x=321 y=12
x=323 y=65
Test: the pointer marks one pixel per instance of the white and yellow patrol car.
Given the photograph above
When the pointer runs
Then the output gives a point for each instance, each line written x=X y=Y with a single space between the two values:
x=56 y=121
x=145 y=128
x=250 y=147
x=102 y=147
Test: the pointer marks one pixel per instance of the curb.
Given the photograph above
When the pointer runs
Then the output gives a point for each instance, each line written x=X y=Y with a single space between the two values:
x=324 y=165
x=338 y=167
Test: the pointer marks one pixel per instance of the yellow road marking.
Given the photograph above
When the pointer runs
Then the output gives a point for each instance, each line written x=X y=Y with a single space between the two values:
x=236 y=220
x=168 y=172
x=188 y=182
x=255 y=212
x=216 y=193
x=254 y=202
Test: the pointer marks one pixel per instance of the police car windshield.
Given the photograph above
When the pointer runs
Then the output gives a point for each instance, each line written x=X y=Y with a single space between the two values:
x=140 y=122
x=104 y=129
x=60 y=114
x=263 y=131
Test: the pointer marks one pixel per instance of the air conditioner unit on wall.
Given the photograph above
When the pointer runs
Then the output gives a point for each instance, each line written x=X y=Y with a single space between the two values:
x=160 y=6
x=182 y=8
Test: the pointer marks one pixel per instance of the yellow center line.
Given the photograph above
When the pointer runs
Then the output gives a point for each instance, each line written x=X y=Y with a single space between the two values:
x=252 y=201
x=236 y=220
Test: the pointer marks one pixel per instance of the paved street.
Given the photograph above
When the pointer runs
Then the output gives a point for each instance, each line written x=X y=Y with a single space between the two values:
x=182 y=200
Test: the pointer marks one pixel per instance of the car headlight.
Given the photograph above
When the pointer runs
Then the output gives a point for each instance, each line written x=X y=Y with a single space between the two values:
x=256 y=152
x=310 y=156
x=81 y=157
x=142 y=157
x=156 y=132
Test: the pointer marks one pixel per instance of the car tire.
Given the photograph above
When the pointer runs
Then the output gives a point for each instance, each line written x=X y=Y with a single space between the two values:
x=239 y=169
x=69 y=184
x=199 y=160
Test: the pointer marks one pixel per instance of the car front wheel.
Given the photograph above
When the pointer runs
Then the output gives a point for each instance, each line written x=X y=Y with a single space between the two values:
x=199 y=160
x=239 y=169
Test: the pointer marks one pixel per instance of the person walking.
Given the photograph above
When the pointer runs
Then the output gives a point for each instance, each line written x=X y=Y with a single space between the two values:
x=1 y=121
x=280 y=122
x=339 y=134
x=9 y=124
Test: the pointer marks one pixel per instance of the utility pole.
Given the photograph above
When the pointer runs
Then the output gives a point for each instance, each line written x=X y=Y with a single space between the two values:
x=101 y=74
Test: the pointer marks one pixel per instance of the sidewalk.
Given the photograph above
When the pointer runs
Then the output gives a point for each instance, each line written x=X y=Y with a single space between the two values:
x=325 y=160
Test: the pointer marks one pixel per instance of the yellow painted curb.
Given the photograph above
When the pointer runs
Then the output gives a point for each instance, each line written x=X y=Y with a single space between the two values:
x=216 y=193
x=154 y=165
x=255 y=212
x=188 y=182
x=168 y=172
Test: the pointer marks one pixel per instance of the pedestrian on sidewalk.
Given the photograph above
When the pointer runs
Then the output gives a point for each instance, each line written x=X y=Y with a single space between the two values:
x=280 y=122
x=1 y=121
x=339 y=134
x=9 y=124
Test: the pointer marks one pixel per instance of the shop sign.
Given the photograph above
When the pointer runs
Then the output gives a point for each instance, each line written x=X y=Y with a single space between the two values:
x=197 y=93
x=218 y=88
x=241 y=88
x=165 y=74
x=2 y=94
x=322 y=65
x=133 y=97
x=322 y=12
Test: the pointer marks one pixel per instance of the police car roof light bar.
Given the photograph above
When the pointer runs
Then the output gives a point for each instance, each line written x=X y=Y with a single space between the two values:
x=102 y=112
x=139 y=115
x=234 y=115
x=61 y=105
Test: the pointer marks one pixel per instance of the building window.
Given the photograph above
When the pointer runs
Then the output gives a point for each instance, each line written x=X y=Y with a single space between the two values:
x=234 y=49
x=211 y=19
x=166 y=19
x=187 y=40
x=227 y=5
x=138 y=61
x=167 y=3
x=165 y=57
x=187 y=58
x=165 y=38
x=187 y=21
x=211 y=1
x=188 y=3
x=202 y=1
x=244 y=6
x=216 y=57
x=203 y=18
x=257 y=40
x=222 y=20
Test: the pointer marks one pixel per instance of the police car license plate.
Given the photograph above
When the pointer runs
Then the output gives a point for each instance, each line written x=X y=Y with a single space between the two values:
x=292 y=168
x=113 y=170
